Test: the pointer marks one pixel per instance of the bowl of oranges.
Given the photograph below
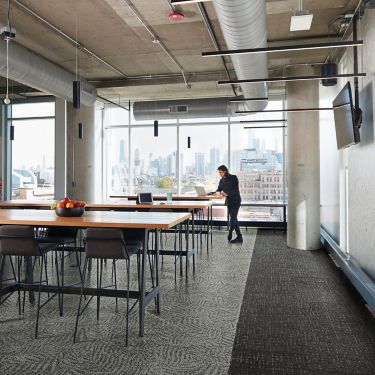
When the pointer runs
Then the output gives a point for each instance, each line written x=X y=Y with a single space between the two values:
x=69 y=208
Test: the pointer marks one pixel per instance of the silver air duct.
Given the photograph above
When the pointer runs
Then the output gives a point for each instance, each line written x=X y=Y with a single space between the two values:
x=243 y=24
x=32 y=70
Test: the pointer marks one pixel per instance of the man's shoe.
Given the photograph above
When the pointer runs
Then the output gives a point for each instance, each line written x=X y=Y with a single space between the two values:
x=237 y=240
x=229 y=236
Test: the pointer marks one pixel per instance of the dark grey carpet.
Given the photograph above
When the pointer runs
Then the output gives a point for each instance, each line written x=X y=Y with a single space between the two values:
x=300 y=315
x=193 y=335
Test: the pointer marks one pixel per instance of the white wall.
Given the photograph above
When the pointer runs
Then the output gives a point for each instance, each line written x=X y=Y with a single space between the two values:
x=348 y=176
x=329 y=165
x=361 y=160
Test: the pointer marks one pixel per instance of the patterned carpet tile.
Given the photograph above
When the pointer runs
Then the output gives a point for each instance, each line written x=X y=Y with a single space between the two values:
x=300 y=315
x=193 y=335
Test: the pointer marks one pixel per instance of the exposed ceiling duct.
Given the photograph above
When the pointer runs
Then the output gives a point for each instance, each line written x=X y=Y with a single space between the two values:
x=243 y=24
x=28 y=68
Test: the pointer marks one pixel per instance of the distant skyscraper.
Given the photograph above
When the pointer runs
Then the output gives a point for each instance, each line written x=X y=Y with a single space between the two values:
x=182 y=166
x=214 y=159
x=137 y=160
x=122 y=151
x=199 y=164
x=252 y=142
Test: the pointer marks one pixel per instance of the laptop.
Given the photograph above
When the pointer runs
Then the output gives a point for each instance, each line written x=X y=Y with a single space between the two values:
x=145 y=198
x=201 y=191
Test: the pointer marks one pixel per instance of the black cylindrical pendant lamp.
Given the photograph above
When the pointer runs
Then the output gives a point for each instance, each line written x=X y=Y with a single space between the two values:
x=189 y=142
x=80 y=130
x=76 y=94
x=156 y=128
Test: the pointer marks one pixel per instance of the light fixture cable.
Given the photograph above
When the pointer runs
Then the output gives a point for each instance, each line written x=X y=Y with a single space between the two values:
x=7 y=100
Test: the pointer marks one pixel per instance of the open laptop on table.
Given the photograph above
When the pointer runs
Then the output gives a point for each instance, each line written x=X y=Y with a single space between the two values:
x=201 y=191
x=145 y=198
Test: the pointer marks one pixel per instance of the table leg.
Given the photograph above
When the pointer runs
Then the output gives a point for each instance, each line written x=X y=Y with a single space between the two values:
x=187 y=248
x=142 y=306
x=29 y=277
x=157 y=270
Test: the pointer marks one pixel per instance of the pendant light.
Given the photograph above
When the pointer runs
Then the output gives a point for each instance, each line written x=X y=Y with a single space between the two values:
x=8 y=37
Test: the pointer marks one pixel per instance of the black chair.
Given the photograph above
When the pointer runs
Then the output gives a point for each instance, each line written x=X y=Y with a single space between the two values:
x=65 y=239
x=105 y=244
x=18 y=241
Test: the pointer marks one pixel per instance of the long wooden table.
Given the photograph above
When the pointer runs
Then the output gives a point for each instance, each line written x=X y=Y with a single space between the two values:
x=193 y=206
x=100 y=219
x=174 y=197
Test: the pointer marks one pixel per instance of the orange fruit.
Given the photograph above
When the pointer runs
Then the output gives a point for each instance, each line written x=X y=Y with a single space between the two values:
x=69 y=205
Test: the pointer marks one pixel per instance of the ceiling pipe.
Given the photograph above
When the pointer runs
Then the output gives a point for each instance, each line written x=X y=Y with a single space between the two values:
x=32 y=70
x=156 y=39
x=76 y=44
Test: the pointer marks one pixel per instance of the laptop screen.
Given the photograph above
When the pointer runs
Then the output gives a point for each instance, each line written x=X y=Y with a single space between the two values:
x=145 y=198
x=200 y=190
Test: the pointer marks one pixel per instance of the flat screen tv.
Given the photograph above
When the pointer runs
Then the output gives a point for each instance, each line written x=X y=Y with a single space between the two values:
x=347 y=121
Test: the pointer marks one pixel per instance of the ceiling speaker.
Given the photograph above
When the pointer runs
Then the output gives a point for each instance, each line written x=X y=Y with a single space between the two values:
x=368 y=3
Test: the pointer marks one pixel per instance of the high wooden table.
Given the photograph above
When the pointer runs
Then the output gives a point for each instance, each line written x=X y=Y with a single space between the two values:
x=190 y=205
x=100 y=219
x=174 y=197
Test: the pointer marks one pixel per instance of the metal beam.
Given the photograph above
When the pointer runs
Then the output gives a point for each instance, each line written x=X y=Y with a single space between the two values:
x=183 y=2
x=287 y=110
x=261 y=121
x=113 y=103
x=288 y=79
x=265 y=127
x=160 y=79
x=239 y=100
x=285 y=48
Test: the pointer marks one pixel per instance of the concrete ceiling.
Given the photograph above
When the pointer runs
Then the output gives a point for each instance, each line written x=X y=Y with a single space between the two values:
x=111 y=30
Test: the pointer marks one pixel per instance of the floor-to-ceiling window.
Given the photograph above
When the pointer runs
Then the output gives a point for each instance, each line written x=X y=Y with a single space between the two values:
x=186 y=153
x=257 y=158
x=31 y=149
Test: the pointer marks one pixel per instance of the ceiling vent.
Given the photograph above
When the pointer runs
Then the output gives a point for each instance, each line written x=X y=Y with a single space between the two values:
x=178 y=109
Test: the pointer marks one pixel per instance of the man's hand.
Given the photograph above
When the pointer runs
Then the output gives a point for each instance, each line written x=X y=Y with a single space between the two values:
x=224 y=194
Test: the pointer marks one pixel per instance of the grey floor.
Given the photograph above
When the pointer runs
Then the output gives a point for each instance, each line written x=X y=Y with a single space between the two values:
x=193 y=335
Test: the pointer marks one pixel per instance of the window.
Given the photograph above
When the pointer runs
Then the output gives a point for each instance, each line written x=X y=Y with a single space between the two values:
x=165 y=163
x=257 y=155
x=154 y=159
x=32 y=172
x=118 y=176
x=198 y=164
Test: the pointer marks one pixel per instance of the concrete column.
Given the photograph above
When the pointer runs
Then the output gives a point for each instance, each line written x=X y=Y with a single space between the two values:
x=81 y=153
x=303 y=163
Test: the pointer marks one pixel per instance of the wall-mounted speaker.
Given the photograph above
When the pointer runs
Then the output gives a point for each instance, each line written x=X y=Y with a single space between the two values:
x=329 y=69
x=368 y=4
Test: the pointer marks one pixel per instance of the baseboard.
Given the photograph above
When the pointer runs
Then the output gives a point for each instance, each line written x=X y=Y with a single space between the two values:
x=360 y=280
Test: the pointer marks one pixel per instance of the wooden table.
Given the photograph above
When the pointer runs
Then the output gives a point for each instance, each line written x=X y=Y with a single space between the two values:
x=174 y=197
x=193 y=206
x=100 y=219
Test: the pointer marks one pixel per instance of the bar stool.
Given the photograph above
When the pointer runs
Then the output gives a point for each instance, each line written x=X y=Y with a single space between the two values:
x=102 y=244
x=65 y=239
x=19 y=241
